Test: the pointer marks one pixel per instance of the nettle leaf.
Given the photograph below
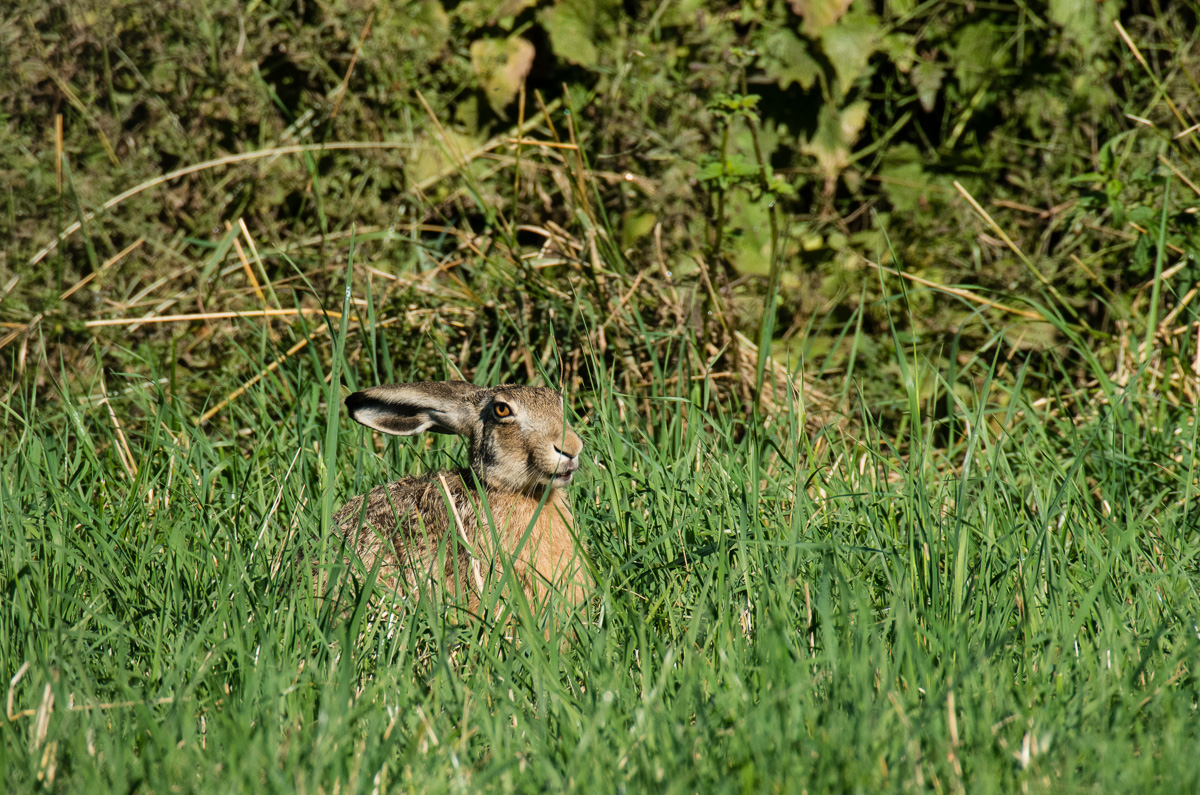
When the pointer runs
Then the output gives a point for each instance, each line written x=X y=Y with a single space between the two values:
x=478 y=13
x=899 y=48
x=435 y=154
x=819 y=14
x=905 y=183
x=1141 y=262
x=681 y=13
x=575 y=26
x=781 y=187
x=926 y=77
x=429 y=22
x=748 y=231
x=1074 y=15
x=1085 y=21
x=785 y=59
x=741 y=167
x=899 y=8
x=731 y=105
x=501 y=65
x=1143 y=215
x=733 y=169
x=711 y=170
x=837 y=130
x=849 y=46
x=978 y=53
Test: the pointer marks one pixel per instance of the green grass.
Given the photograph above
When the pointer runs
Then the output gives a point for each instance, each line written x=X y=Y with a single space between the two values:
x=775 y=610
x=969 y=562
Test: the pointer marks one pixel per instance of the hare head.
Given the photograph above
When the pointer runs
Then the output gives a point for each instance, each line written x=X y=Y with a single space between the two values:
x=520 y=441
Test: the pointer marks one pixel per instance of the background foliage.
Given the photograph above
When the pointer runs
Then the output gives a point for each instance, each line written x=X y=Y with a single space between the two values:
x=865 y=117
x=878 y=320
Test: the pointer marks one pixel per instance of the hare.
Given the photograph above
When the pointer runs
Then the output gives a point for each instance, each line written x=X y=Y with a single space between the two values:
x=454 y=530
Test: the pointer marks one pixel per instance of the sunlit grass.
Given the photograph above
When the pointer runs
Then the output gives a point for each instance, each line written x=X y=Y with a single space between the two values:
x=774 y=610
x=937 y=557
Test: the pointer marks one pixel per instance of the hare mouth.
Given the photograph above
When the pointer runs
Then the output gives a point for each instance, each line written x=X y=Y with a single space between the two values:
x=563 y=479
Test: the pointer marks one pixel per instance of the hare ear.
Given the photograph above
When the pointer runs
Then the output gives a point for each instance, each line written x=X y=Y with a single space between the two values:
x=408 y=409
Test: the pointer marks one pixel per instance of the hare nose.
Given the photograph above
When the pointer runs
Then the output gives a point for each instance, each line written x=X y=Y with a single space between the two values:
x=562 y=452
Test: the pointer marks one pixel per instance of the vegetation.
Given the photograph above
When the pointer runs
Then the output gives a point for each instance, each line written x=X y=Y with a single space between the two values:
x=878 y=321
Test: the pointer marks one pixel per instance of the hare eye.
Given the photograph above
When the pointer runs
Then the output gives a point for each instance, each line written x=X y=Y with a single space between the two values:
x=502 y=410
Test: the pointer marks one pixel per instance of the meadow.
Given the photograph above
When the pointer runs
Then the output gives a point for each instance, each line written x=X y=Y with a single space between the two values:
x=877 y=323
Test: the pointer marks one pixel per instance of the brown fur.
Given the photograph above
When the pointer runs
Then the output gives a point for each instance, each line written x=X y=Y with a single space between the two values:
x=432 y=532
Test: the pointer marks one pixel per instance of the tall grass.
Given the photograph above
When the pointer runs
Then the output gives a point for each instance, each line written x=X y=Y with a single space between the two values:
x=934 y=557
x=1005 y=597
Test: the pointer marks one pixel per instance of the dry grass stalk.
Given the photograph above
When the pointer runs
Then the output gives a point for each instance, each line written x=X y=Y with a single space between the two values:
x=966 y=295
x=282 y=312
x=250 y=277
x=123 y=451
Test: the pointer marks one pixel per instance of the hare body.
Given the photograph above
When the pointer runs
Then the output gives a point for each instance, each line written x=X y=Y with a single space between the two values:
x=459 y=530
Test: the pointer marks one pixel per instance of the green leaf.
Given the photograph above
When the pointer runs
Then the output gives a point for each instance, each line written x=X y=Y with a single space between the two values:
x=904 y=181
x=735 y=168
x=900 y=50
x=978 y=53
x=926 y=77
x=786 y=60
x=837 y=130
x=635 y=225
x=575 y=26
x=501 y=65
x=739 y=166
x=749 y=238
x=819 y=14
x=432 y=23
x=425 y=24
x=849 y=46
x=1080 y=20
x=781 y=187
x=1143 y=215
x=479 y=13
x=710 y=171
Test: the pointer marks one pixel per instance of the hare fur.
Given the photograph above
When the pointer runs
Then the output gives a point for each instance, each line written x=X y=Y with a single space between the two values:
x=434 y=531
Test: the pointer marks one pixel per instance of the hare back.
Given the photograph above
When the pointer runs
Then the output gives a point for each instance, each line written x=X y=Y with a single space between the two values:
x=421 y=539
